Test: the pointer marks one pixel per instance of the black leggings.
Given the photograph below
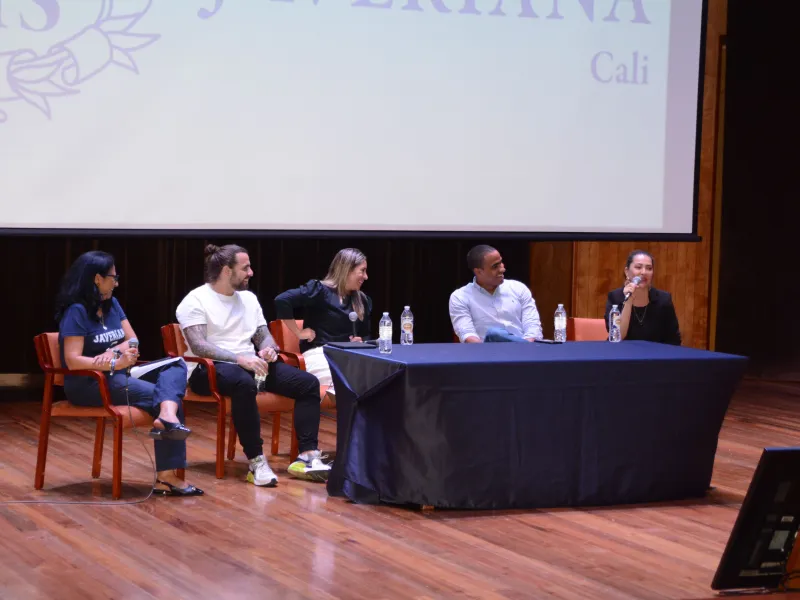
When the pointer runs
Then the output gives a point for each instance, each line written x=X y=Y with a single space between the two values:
x=283 y=379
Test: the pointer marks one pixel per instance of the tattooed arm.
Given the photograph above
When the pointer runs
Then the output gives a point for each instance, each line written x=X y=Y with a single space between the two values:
x=267 y=348
x=263 y=339
x=196 y=338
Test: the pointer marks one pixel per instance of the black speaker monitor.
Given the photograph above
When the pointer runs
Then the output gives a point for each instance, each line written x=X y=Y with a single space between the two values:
x=762 y=539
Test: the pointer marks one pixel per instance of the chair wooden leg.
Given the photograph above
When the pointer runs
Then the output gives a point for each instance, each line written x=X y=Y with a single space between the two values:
x=98 y=447
x=295 y=449
x=116 y=477
x=231 y=440
x=221 y=441
x=44 y=435
x=276 y=432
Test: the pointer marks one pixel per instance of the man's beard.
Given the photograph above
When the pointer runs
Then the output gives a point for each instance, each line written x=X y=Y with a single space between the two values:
x=240 y=286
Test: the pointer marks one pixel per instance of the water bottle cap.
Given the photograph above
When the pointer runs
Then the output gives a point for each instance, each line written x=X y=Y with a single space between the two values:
x=560 y=306
x=613 y=306
x=407 y=307
x=386 y=314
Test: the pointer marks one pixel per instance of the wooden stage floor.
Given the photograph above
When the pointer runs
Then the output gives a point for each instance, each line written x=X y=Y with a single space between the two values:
x=239 y=541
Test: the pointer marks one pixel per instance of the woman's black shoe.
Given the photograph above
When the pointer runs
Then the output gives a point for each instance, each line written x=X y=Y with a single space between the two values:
x=171 y=431
x=189 y=490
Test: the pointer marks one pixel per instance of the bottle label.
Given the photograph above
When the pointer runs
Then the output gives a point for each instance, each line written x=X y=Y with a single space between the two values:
x=408 y=327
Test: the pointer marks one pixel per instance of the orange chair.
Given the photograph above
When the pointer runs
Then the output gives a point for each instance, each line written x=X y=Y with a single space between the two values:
x=586 y=330
x=175 y=345
x=47 y=351
x=290 y=345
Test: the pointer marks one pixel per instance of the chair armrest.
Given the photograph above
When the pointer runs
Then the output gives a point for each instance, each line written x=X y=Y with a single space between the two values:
x=102 y=382
x=83 y=372
x=296 y=360
x=211 y=370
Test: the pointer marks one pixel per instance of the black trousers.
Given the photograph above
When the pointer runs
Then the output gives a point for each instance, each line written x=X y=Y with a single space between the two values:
x=283 y=379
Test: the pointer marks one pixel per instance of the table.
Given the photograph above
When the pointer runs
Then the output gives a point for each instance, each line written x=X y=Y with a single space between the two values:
x=493 y=426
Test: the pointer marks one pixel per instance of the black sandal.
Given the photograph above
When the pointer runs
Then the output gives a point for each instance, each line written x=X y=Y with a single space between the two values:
x=171 y=431
x=189 y=490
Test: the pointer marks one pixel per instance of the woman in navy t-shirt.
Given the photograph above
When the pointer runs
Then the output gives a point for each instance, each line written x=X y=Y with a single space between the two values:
x=93 y=334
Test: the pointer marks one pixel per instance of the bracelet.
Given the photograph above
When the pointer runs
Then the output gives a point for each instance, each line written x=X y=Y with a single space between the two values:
x=113 y=364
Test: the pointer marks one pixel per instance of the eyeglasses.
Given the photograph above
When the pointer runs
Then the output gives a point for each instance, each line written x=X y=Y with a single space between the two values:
x=114 y=277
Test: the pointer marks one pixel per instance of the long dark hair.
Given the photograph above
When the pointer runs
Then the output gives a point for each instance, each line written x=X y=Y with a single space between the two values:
x=78 y=286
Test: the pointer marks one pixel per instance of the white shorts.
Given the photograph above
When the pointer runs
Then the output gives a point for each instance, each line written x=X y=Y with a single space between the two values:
x=317 y=365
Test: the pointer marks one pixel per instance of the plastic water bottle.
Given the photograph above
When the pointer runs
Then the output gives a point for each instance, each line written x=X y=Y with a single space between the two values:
x=260 y=381
x=407 y=327
x=614 y=332
x=385 y=334
x=560 y=324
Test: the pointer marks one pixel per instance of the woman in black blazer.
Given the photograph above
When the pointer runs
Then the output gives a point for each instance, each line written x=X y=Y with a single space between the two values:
x=649 y=313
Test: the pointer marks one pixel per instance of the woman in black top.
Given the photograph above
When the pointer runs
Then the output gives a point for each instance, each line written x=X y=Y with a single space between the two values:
x=649 y=313
x=326 y=306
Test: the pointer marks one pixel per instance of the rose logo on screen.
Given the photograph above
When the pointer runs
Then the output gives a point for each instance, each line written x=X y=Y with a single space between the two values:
x=51 y=48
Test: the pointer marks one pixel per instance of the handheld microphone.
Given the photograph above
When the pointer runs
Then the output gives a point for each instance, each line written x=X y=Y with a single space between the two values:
x=132 y=343
x=353 y=318
x=635 y=281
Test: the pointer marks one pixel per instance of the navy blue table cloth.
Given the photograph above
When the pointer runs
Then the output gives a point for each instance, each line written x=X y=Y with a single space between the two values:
x=490 y=426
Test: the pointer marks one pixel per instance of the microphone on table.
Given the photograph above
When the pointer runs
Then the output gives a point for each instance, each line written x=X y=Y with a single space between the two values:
x=132 y=343
x=635 y=281
x=353 y=318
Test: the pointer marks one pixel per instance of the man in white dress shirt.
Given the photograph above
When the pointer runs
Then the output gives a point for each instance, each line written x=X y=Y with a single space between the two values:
x=492 y=308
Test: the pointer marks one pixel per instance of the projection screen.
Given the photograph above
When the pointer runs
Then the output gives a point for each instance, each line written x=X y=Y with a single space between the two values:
x=577 y=116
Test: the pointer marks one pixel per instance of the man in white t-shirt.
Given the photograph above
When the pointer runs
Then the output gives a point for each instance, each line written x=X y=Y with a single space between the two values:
x=224 y=322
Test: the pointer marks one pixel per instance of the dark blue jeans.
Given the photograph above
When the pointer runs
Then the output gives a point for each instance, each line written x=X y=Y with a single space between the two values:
x=146 y=393
x=497 y=334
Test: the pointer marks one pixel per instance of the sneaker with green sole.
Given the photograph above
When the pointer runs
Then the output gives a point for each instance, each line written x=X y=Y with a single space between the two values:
x=310 y=469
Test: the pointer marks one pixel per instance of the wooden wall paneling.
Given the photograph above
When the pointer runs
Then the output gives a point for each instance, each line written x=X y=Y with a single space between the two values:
x=700 y=293
x=551 y=280
x=722 y=67
x=682 y=268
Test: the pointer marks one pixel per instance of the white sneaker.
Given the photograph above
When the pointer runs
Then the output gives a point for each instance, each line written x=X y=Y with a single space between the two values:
x=260 y=474
x=310 y=469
